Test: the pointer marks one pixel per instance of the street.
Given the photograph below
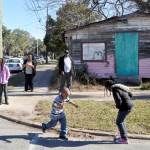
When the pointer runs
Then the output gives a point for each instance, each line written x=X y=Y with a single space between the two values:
x=18 y=137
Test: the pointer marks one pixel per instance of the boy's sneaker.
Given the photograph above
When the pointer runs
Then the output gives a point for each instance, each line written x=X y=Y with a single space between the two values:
x=43 y=127
x=64 y=137
x=121 y=141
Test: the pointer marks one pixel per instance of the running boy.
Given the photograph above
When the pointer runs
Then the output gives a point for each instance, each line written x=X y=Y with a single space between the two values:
x=122 y=97
x=58 y=114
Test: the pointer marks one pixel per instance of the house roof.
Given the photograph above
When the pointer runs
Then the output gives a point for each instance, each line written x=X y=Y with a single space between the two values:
x=113 y=19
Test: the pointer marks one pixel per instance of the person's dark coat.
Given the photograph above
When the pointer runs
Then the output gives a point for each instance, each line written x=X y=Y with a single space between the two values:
x=122 y=98
x=61 y=65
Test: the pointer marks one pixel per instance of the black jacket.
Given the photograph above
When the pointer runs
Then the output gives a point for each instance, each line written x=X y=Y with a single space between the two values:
x=122 y=98
x=61 y=65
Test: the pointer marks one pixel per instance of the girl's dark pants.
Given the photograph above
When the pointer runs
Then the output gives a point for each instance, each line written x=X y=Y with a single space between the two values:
x=28 y=82
x=3 y=88
x=121 y=124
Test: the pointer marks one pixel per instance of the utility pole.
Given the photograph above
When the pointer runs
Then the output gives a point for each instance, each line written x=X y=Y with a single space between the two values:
x=1 y=48
x=37 y=48
x=46 y=33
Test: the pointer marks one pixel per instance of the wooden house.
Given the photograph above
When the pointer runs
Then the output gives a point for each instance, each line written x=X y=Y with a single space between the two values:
x=118 y=47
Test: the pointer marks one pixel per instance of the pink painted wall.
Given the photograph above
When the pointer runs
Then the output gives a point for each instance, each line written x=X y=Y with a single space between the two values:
x=102 y=69
x=105 y=70
x=144 y=68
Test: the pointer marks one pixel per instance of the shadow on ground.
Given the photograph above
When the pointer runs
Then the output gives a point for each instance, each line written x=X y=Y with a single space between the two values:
x=49 y=141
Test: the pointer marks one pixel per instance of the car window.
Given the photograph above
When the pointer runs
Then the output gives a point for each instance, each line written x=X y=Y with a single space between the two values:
x=13 y=61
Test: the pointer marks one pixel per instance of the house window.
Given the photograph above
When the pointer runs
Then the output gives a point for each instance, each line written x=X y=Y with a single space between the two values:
x=93 y=51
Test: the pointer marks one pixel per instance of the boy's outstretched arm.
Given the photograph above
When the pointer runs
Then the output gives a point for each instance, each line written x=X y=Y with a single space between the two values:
x=73 y=104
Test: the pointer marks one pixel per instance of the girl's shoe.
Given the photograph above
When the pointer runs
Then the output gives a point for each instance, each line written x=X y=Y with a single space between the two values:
x=63 y=137
x=121 y=141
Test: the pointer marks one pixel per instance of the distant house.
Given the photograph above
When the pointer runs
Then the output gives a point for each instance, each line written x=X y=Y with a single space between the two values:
x=118 y=47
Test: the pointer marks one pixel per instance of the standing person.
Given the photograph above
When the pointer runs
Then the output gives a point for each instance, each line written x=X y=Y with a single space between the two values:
x=4 y=77
x=122 y=97
x=65 y=70
x=29 y=71
x=58 y=114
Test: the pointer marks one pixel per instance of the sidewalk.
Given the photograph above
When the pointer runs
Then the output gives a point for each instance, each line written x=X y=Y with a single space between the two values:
x=21 y=106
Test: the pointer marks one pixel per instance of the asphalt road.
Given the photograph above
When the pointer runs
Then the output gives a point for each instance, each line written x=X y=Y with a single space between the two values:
x=18 y=137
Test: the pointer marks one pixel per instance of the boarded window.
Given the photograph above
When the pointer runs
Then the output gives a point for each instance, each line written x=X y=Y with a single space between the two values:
x=93 y=51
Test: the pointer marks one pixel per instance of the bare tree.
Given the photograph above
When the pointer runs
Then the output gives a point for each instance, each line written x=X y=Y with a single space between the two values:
x=143 y=5
x=106 y=8
x=109 y=8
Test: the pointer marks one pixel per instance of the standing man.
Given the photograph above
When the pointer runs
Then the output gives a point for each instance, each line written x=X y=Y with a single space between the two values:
x=65 y=70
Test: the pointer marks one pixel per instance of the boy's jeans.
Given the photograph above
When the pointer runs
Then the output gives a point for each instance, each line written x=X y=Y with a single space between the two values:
x=120 y=123
x=62 y=119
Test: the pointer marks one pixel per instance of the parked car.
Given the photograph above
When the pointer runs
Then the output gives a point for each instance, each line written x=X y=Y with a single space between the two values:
x=38 y=60
x=15 y=64
x=43 y=60
x=7 y=57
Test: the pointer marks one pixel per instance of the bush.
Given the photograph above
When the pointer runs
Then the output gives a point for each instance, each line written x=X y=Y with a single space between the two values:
x=145 y=86
x=82 y=75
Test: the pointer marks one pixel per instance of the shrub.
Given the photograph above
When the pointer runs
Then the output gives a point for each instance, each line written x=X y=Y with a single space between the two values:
x=145 y=86
x=82 y=75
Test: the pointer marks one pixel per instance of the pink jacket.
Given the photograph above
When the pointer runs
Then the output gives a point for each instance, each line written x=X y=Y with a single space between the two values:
x=4 y=75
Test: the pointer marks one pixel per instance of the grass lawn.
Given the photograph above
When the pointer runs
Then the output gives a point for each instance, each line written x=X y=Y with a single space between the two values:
x=100 y=116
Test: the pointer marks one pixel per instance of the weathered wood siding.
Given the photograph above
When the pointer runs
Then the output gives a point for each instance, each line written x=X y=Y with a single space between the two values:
x=76 y=51
x=144 y=44
x=144 y=68
x=105 y=32
x=102 y=69
x=144 y=54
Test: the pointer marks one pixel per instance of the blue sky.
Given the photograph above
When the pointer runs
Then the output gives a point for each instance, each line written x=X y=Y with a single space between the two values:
x=17 y=15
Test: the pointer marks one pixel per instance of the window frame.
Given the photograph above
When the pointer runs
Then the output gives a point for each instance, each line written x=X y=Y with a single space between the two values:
x=96 y=60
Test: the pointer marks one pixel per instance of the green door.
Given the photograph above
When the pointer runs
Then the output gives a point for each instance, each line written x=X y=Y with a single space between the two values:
x=126 y=54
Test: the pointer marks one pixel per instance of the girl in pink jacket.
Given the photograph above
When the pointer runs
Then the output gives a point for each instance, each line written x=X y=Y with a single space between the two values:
x=4 y=77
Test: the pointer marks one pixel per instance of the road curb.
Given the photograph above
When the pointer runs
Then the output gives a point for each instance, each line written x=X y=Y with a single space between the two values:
x=27 y=123
x=91 y=132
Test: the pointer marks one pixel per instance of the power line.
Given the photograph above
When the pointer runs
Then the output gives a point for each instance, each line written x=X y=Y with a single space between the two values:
x=35 y=10
x=40 y=7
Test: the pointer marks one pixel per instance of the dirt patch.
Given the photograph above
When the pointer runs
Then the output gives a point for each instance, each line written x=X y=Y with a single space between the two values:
x=76 y=86
x=15 y=114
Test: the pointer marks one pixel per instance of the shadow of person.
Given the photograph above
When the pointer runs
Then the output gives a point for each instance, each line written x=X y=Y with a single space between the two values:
x=50 y=142
x=9 y=138
x=56 y=142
